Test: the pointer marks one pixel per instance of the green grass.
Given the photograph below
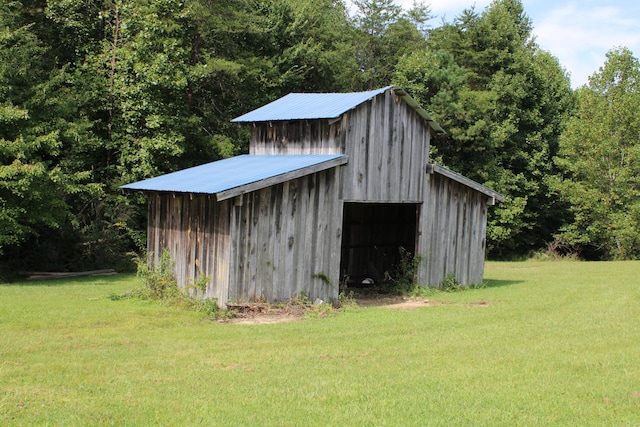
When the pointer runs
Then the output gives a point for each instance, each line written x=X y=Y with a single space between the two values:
x=558 y=344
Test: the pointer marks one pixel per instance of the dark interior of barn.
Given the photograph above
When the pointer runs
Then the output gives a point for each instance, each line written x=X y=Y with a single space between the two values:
x=372 y=237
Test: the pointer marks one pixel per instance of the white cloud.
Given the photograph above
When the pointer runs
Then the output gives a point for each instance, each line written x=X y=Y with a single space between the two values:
x=448 y=9
x=580 y=36
x=454 y=5
x=578 y=33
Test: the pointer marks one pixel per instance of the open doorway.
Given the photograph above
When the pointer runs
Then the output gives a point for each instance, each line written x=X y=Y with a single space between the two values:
x=372 y=235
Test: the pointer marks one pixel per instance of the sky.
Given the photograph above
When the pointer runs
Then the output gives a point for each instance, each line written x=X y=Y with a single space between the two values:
x=578 y=33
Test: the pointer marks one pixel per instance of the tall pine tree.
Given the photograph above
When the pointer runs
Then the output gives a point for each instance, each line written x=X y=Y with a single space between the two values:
x=502 y=102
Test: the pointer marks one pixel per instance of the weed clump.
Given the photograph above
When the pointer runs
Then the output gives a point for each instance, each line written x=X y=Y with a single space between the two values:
x=346 y=300
x=401 y=279
x=451 y=284
x=556 y=251
x=159 y=280
x=159 y=284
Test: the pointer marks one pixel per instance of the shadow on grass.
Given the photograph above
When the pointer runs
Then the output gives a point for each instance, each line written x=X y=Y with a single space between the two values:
x=496 y=283
x=98 y=279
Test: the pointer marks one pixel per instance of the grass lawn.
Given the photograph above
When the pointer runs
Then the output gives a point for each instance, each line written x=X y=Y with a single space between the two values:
x=558 y=343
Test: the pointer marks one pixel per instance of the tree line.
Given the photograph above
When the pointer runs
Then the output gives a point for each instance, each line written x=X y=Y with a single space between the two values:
x=95 y=94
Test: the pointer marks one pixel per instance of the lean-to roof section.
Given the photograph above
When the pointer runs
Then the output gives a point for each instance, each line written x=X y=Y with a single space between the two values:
x=238 y=175
x=441 y=170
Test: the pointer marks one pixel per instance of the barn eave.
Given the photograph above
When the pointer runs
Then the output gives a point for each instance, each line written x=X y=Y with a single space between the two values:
x=441 y=170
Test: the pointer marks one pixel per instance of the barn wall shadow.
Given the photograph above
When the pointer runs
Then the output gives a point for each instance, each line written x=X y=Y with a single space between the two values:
x=497 y=283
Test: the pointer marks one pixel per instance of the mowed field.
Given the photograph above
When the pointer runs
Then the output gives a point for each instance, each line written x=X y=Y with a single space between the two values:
x=543 y=343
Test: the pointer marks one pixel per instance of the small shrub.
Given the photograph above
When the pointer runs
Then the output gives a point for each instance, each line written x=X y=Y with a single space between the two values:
x=208 y=306
x=401 y=279
x=319 y=310
x=160 y=284
x=346 y=300
x=423 y=291
x=556 y=251
x=450 y=284
x=301 y=300
x=199 y=286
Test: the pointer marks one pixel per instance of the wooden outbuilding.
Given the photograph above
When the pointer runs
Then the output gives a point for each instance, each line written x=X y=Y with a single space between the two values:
x=333 y=186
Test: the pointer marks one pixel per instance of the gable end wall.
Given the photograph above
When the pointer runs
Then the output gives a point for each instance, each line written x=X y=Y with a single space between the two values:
x=297 y=137
x=388 y=147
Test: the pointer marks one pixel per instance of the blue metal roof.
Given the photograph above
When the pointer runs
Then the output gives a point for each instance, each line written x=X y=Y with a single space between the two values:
x=239 y=171
x=313 y=106
x=309 y=106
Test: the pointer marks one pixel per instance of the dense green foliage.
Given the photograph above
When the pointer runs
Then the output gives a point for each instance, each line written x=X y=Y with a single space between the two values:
x=95 y=94
x=600 y=160
x=502 y=102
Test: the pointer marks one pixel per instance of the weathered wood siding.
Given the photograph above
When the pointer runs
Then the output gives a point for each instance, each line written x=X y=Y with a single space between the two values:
x=452 y=232
x=297 y=137
x=195 y=230
x=286 y=239
x=388 y=147
x=275 y=242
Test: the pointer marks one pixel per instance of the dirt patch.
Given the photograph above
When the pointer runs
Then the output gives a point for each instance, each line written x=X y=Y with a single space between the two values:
x=378 y=300
x=397 y=302
x=478 y=304
x=264 y=319
x=263 y=313
x=414 y=303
